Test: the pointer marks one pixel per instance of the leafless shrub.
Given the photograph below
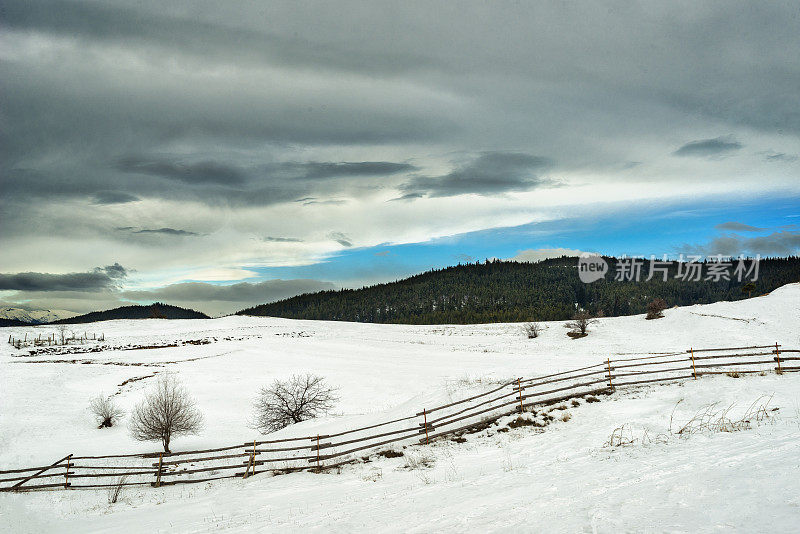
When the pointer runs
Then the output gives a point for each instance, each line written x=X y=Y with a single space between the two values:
x=419 y=460
x=116 y=490
x=624 y=435
x=580 y=323
x=166 y=411
x=106 y=412
x=712 y=418
x=287 y=402
x=655 y=308
x=621 y=436
x=532 y=330
x=566 y=416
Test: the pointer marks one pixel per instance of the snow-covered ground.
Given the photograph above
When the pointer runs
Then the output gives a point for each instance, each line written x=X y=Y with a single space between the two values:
x=562 y=479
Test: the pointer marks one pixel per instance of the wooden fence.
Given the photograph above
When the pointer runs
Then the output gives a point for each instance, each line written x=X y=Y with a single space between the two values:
x=330 y=450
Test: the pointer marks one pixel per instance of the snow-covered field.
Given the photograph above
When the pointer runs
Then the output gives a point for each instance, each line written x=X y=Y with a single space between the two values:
x=564 y=478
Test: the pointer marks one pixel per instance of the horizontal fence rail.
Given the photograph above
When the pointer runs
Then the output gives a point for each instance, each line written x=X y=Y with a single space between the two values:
x=331 y=450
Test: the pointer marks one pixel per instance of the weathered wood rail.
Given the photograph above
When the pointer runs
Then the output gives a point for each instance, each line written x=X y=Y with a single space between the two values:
x=318 y=451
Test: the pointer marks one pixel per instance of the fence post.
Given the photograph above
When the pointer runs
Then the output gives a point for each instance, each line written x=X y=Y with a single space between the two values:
x=158 y=473
x=252 y=461
x=778 y=358
x=610 y=385
x=694 y=371
x=519 y=390
x=66 y=473
x=425 y=421
x=317 y=452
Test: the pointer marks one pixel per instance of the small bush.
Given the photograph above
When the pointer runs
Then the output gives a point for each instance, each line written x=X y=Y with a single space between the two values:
x=655 y=308
x=390 y=453
x=592 y=399
x=106 y=412
x=532 y=330
x=420 y=460
x=566 y=416
x=580 y=324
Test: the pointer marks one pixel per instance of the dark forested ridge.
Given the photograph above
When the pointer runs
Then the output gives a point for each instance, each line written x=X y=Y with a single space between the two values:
x=153 y=311
x=507 y=291
x=12 y=322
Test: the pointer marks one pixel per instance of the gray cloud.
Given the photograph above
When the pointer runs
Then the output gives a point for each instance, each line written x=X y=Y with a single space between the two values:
x=161 y=231
x=780 y=156
x=708 y=147
x=536 y=255
x=782 y=243
x=165 y=231
x=273 y=239
x=217 y=299
x=340 y=238
x=315 y=170
x=114 y=197
x=490 y=173
x=205 y=172
x=99 y=279
x=738 y=227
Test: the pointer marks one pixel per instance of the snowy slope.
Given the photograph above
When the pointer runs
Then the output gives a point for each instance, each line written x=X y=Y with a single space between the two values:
x=562 y=479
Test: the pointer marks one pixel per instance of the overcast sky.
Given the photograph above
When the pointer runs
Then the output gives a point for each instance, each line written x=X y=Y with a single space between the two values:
x=223 y=154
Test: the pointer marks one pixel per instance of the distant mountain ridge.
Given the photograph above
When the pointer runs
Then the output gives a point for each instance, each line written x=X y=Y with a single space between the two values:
x=26 y=316
x=509 y=291
x=156 y=310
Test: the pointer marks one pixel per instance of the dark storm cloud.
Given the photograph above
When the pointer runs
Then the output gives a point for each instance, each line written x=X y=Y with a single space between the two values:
x=114 y=197
x=99 y=279
x=196 y=36
x=775 y=244
x=708 y=147
x=738 y=227
x=191 y=173
x=489 y=174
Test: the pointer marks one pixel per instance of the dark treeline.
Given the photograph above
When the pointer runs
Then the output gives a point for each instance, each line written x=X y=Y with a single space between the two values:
x=12 y=322
x=157 y=310
x=508 y=291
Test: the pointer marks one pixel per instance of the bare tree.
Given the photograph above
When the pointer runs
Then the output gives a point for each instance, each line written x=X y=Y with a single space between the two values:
x=286 y=402
x=532 y=330
x=166 y=411
x=105 y=410
x=655 y=307
x=580 y=323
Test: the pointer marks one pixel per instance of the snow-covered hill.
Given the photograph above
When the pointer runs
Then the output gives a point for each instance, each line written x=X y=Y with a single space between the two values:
x=34 y=316
x=562 y=479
